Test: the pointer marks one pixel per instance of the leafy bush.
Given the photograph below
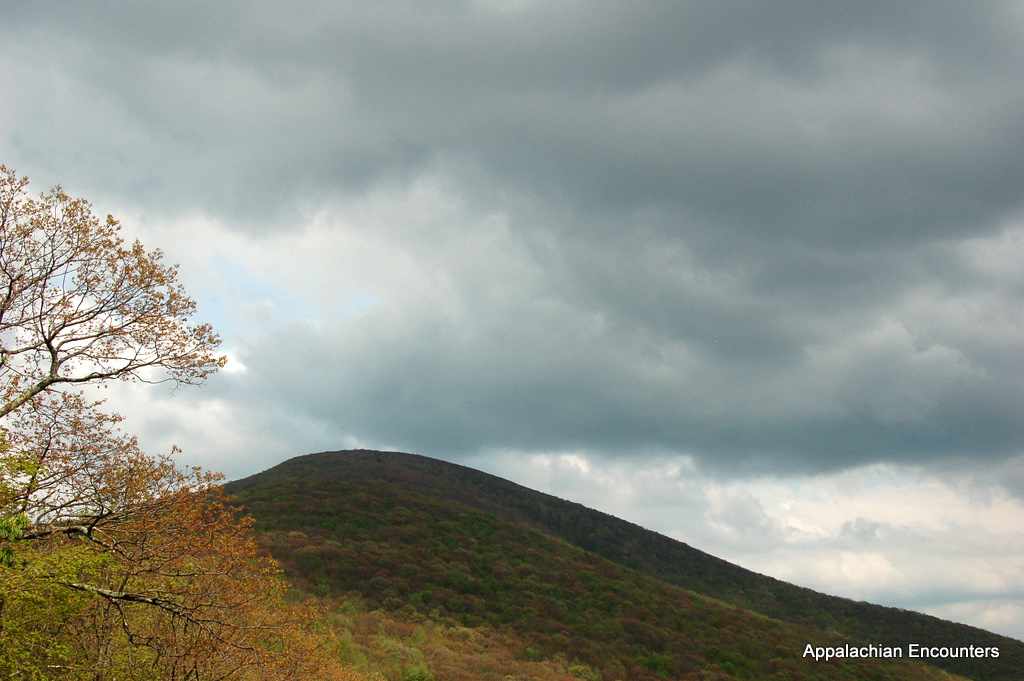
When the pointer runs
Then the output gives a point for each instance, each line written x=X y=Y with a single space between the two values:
x=582 y=671
x=417 y=673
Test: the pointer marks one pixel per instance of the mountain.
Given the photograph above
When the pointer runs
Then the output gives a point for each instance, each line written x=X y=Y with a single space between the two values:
x=427 y=539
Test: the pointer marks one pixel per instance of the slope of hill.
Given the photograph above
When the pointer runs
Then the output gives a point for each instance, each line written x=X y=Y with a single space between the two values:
x=386 y=646
x=427 y=538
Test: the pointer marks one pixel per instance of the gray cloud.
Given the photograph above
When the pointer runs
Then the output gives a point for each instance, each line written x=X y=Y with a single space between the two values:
x=759 y=234
x=797 y=118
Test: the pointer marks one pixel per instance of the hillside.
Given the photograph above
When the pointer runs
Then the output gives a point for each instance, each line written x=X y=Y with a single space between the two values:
x=429 y=539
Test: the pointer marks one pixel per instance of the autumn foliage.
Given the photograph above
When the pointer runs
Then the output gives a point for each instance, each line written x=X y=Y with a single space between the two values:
x=455 y=552
x=115 y=564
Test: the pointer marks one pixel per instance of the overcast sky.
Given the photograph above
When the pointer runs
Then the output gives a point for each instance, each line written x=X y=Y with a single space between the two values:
x=747 y=273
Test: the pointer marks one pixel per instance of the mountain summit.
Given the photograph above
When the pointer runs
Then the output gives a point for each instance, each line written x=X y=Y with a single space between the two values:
x=430 y=539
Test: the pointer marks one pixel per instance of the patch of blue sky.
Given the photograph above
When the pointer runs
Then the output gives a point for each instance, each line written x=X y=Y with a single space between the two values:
x=238 y=301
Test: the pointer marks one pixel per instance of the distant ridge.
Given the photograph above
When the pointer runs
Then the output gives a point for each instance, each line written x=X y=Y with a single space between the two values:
x=353 y=483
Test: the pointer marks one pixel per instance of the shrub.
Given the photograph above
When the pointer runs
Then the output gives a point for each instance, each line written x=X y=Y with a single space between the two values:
x=417 y=673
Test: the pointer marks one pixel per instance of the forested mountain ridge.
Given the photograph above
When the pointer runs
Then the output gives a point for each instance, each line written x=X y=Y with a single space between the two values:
x=427 y=537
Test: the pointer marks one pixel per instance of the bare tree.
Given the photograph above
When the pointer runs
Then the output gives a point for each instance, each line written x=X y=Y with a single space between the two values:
x=78 y=305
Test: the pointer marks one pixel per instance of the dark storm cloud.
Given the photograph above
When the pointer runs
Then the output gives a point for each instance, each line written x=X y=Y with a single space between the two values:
x=737 y=228
x=799 y=118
